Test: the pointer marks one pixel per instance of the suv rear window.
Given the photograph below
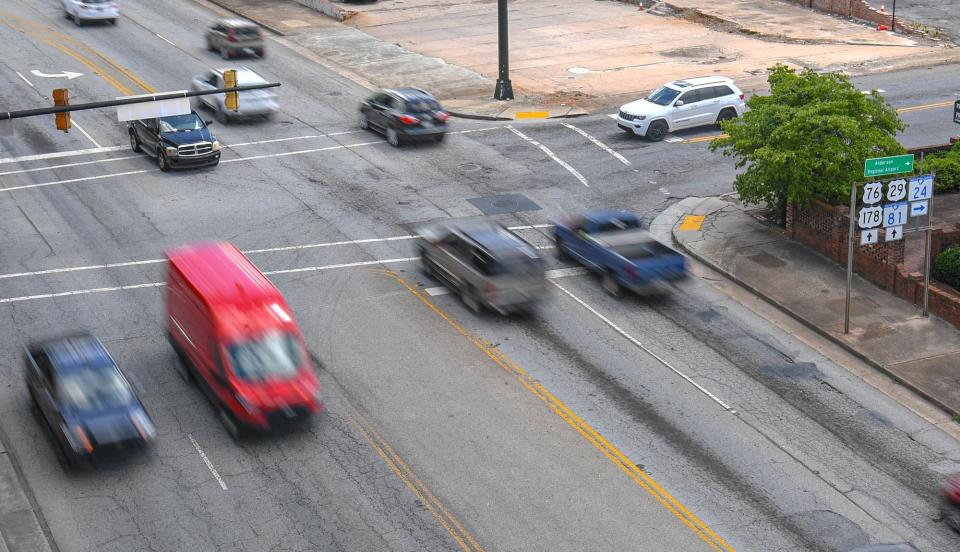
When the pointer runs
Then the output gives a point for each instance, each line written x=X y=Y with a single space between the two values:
x=246 y=32
x=422 y=105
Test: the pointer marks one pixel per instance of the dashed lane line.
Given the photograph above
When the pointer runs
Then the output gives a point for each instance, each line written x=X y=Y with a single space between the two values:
x=551 y=155
x=598 y=143
x=551 y=275
x=206 y=460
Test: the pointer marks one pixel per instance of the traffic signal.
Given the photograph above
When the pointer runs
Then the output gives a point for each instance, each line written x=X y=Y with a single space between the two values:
x=62 y=97
x=232 y=100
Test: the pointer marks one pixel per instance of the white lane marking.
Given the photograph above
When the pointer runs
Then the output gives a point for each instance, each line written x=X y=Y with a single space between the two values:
x=551 y=274
x=597 y=143
x=165 y=40
x=203 y=456
x=54 y=155
x=673 y=139
x=341 y=265
x=553 y=156
x=25 y=80
x=78 y=292
x=77 y=164
x=612 y=116
x=247 y=252
x=85 y=133
x=251 y=158
x=633 y=340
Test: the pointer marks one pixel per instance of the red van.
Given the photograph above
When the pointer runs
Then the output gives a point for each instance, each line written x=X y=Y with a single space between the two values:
x=236 y=337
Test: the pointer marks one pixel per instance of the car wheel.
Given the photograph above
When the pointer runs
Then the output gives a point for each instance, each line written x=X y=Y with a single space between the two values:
x=726 y=114
x=113 y=22
x=562 y=253
x=364 y=121
x=134 y=141
x=657 y=131
x=162 y=161
x=231 y=425
x=393 y=137
x=67 y=14
x=224 y=52
x=610 y=285
x=439 y=137
x=78 y=21
x=426 y=263
x=221 y=115
x=260 y=53
x=471 y=300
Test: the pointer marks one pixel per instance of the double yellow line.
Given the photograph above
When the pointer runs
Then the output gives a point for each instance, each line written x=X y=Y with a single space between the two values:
x=72 y=47
x=714 y=541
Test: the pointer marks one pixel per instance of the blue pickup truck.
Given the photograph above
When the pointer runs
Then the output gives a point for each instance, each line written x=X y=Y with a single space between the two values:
x=612 y=244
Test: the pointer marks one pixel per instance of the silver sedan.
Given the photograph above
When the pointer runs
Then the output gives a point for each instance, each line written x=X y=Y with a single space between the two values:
x=253 y=103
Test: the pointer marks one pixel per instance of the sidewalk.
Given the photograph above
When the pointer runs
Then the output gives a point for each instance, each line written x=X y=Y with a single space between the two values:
x=890 y=334
x=568 y=57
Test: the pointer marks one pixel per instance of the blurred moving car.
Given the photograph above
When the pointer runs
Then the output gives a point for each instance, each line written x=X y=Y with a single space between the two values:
x=950 y=505
x=404 y=114
x=236 y=337
x=487 y=264
x=82 y=11
x=253 y=103
x=682 y=104
x=84 y=399
x=613 y=244
x=231 y=37
x=176 y=141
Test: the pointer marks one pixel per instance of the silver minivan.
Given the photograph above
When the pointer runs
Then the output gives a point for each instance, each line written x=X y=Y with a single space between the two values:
x=232 y=37
x=487 y=264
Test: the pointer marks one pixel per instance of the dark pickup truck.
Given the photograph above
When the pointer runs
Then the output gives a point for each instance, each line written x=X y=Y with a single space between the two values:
x=176 y=141
x=83 y=398
x=612 y=244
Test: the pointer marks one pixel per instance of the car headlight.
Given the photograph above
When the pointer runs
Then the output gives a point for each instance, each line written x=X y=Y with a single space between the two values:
x=639 y=117
x=143 y=424
x=170 y=150
x=217 y=145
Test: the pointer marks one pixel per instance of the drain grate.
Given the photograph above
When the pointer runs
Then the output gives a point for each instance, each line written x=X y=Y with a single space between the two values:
x=504 y=204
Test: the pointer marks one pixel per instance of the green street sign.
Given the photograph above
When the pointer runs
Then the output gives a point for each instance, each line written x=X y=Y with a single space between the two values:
x=896 y=164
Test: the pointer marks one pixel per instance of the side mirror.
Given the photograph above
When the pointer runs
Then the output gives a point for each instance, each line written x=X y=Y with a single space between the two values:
x=208 y=123
x=679 y=103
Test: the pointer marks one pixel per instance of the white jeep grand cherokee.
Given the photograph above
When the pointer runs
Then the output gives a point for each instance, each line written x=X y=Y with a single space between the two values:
x=682 y=104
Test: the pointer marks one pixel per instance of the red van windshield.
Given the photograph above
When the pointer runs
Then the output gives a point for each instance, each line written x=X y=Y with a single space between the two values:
x=273 y=355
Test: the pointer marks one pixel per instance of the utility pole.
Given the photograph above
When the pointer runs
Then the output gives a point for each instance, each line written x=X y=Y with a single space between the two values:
x=504 y=89
x=893 y=18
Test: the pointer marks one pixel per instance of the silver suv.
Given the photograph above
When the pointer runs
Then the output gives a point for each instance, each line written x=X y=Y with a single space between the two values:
x=682 y=104
x=487 y=264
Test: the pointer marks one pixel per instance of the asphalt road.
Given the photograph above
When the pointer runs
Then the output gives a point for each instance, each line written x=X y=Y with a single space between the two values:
x=680 y=423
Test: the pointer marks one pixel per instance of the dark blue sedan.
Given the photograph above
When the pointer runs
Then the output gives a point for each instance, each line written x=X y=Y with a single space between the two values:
x=84 y=399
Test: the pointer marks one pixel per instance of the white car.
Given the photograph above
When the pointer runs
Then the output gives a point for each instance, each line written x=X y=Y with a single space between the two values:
x=91 y=10
x=261 y=102
x=682 y=104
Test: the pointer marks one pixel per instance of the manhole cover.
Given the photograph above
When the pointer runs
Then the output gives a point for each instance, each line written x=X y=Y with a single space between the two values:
x=578 y=70
x=504 y=204
x=469 y=167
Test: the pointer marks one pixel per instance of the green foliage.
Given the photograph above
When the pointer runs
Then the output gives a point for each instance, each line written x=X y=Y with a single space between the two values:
x=808 y=138
x=946 y=267
x=947 y=168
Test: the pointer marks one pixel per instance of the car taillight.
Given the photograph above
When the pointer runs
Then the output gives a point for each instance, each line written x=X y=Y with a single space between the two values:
x=632 y=271
x=408 y=120
x=231 y=36
x=442 y=116
x=84 y=440
x=488 y=288
x=741 y=96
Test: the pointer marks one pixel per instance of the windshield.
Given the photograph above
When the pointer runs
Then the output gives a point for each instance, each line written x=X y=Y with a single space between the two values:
x=271 y=356
x=663 y=95
x=97 y=389
x=179 y=123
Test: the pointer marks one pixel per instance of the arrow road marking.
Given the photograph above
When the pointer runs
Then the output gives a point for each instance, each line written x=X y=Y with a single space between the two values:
x=68 y=74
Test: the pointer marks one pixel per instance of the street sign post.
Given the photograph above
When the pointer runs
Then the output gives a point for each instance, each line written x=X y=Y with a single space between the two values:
x=880 y=166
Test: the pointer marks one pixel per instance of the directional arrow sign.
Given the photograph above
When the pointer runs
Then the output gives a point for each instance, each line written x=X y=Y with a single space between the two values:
x=66 y=74
x=868 y=236
x=894 y=233
x=918 y=208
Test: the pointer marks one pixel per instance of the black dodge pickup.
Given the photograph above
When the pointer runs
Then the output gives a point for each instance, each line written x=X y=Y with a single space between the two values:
x=176 y=141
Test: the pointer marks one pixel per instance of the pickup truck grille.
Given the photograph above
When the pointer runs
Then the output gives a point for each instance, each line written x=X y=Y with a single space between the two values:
x=200 y=148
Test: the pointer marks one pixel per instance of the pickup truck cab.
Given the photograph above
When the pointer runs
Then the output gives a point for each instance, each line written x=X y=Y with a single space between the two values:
x=176 y=141
x=237 y=338
x=83 y=398
x=612 y=244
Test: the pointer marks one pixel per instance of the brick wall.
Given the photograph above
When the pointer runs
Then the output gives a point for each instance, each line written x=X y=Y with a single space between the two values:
x=825 y=227
x=858 y=9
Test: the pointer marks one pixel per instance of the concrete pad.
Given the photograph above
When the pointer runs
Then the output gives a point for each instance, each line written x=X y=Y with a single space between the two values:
x=931 y=372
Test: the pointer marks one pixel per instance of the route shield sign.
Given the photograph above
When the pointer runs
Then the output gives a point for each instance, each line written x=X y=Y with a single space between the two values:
x=869 y=236
x=921 y=187
x=880 y=166
x=896 y=190
x=870 y=217
x=872 y=192
x=894 y=233
x=894 y=214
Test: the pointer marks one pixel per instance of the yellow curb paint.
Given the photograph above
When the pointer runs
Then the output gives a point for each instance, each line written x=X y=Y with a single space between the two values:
x=692 y=223
x=532 y=114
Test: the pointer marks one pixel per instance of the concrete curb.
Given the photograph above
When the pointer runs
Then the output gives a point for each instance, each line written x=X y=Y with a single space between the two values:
x=328 y=8
x=475 y=116
x=231 y=9
x=822 y=332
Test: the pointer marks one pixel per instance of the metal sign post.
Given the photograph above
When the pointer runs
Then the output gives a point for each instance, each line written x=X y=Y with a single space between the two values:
x=853 y=228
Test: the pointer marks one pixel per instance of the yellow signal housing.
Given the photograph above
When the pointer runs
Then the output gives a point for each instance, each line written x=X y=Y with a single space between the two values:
x=232 y=100
x=62 y=97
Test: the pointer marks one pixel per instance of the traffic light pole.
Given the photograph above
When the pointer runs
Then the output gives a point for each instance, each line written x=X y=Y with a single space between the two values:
x=146 y=98
x=504 y=89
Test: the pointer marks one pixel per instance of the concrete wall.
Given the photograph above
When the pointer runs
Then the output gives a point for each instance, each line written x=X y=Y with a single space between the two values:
x=858 y=9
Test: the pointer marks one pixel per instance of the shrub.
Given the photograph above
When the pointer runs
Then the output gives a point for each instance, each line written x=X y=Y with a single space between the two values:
x=947 y=167
x=946 y=267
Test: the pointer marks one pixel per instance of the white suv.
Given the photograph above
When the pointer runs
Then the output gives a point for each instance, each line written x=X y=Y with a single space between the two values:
x=682 y=104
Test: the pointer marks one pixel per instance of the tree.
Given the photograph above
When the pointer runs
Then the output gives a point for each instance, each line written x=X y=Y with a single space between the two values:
x=808 y=138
